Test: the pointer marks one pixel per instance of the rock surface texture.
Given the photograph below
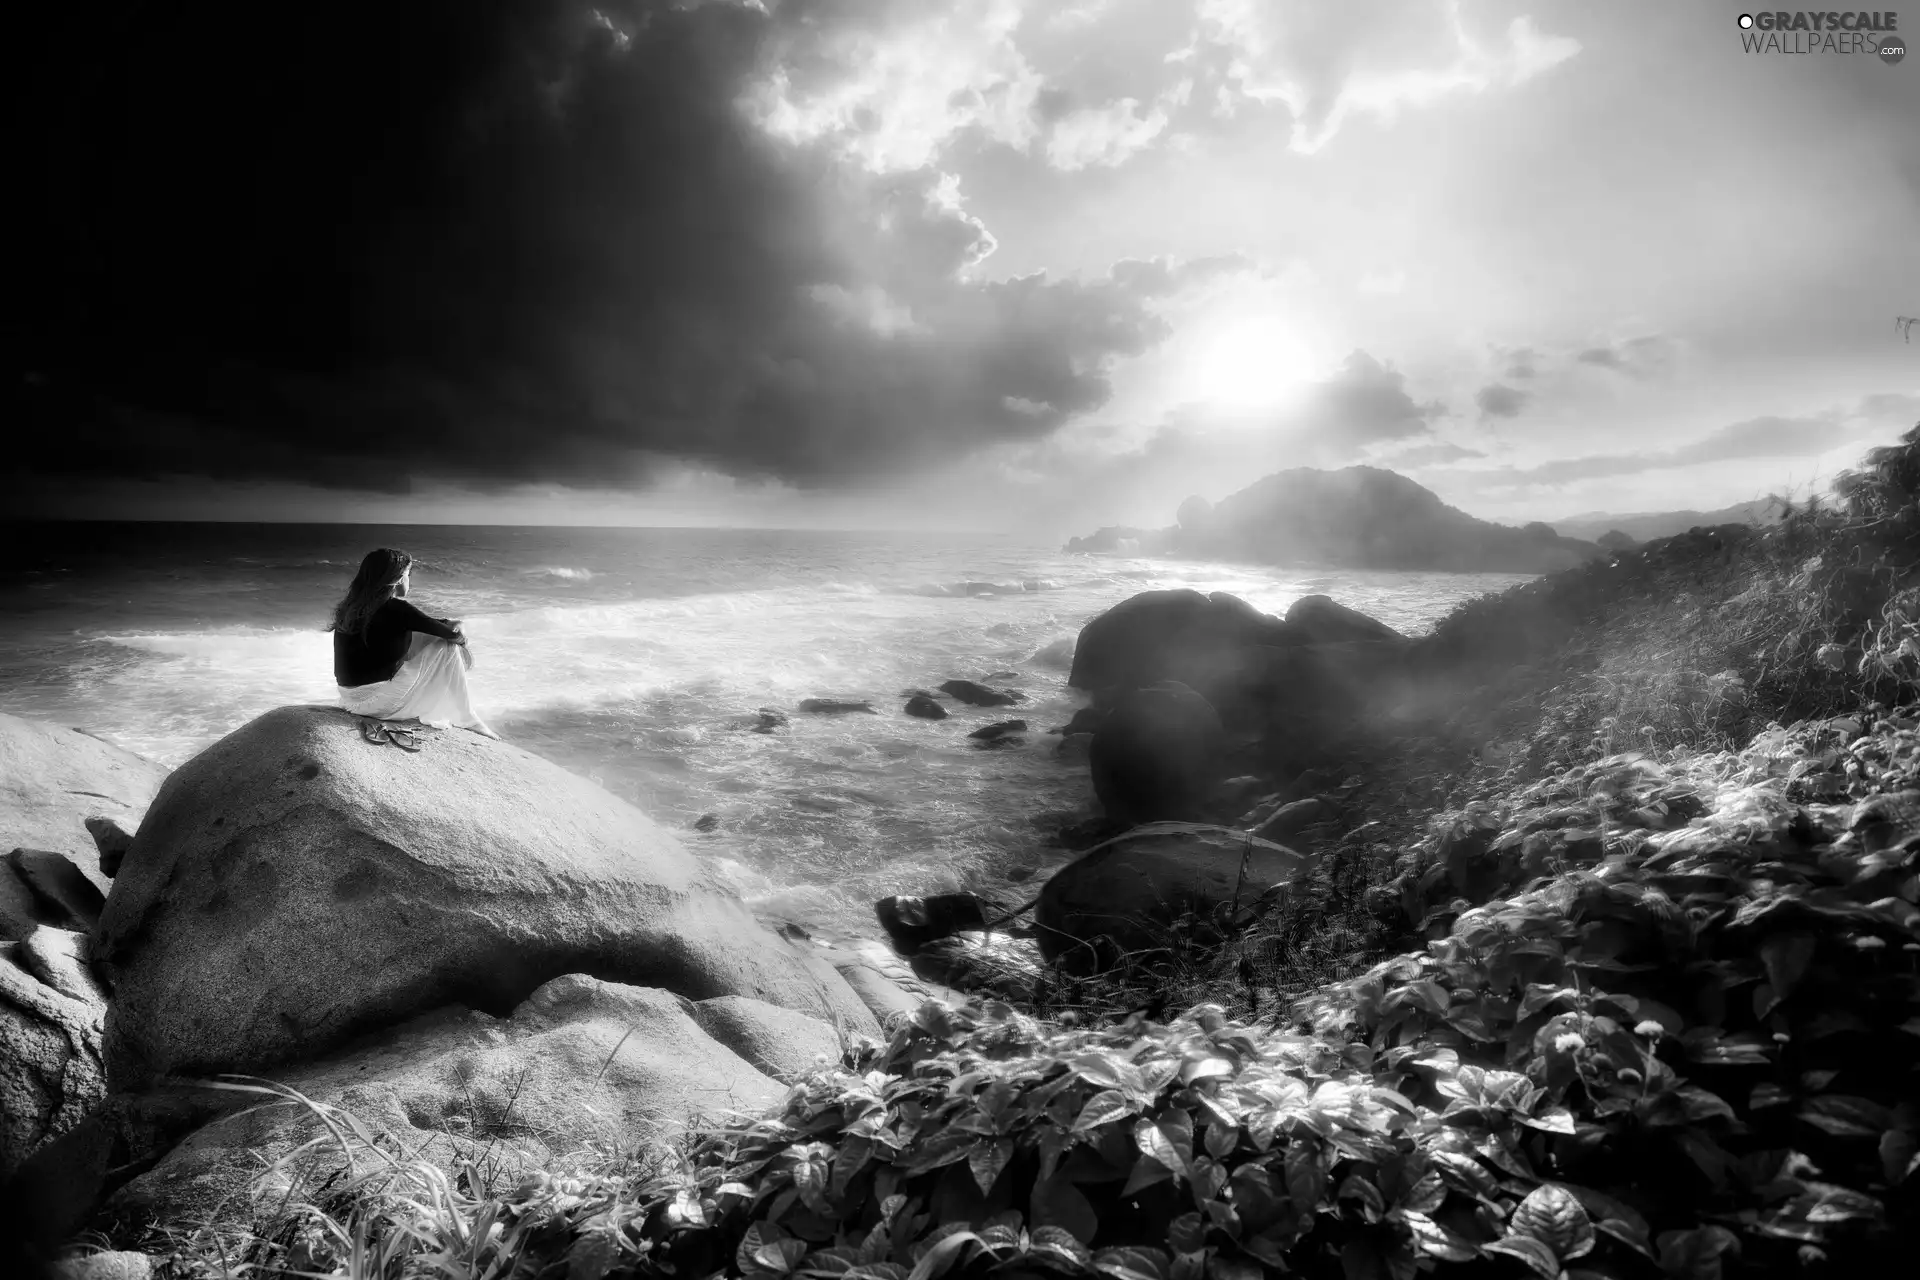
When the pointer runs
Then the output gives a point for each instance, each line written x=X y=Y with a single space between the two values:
x=1120 y=897
x=51 y=1013
x=52 y=779
x=293 y=887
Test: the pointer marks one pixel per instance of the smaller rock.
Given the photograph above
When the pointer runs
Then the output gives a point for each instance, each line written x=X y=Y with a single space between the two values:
x=923 y=705
x=881 y=994
x=1085 y=720
x=68 y=898
x=835 y=707
x=780 y=1042
x=1020 y=875
x=1291 y=818
x=113 y=841
x=978 y=695
x=913 y=922
x=1001 y=675
x=106 y=1265
x=58 y=957
x=770 y=720
x=706 y=822
x=993 y=732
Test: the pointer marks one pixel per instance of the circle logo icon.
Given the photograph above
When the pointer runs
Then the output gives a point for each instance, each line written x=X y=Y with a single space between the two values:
x=1892 y=49
x=1746 y=22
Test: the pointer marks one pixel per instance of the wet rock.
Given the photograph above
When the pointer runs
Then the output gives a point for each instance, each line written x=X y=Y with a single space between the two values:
x=912 y=922
x=886 y=999
x=293 y=887
x=923 y=705
x=999 y=730
x=1057 y=654
x=1020 y=875
x=978 y=695
x=1209 y=643
x=1156 y=757
x=1121 y=899
x=707 y=822
x=112 y=840
x=1001 y=675
x=835 y=707
x=62 y=893
x=768 y=720
x=1000 y=966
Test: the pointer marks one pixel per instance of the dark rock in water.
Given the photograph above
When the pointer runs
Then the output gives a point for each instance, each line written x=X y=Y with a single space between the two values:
x=770 y=720
x=1121 y=899
x=60 y=890
x=1321 y=620
x=1001 y=675
x=923 y=705
x=112 y=840
x=1002 y=729
x=912 y=922
x=1001 y=967
x=1213 y=644
x=1157 y=756
x=835 y=707
x=1019 y=875
x=1085 y=720
x=1289 y=819
x=978 y=695
x=707 y=822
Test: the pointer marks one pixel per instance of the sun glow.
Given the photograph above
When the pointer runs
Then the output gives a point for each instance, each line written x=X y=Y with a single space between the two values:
x=1249 y=361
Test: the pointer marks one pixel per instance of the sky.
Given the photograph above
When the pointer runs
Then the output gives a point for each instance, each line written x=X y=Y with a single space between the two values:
x=1021 y=265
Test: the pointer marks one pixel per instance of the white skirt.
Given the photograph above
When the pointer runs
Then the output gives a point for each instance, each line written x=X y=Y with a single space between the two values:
x=430 y=686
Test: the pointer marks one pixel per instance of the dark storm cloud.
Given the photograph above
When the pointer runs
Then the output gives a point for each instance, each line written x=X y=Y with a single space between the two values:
x=1497 y=400
x=505 y=242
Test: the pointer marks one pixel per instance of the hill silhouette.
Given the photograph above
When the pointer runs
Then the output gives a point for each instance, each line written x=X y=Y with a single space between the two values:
x=1355 y=517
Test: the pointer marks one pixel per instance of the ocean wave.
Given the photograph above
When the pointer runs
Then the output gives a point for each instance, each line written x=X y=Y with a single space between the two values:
x=979 y=587
x=562 y=572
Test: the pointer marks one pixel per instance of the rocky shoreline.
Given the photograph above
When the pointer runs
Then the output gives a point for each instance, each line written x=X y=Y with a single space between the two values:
x=540 y=970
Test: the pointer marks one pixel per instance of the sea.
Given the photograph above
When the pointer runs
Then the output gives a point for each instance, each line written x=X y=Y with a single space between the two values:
x=640 y=657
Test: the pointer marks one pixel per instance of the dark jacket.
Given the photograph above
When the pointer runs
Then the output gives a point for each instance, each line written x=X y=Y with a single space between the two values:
x=377 y=652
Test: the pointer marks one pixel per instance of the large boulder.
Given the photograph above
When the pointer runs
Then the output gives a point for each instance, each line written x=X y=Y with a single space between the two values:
x=1157 y=756
x=52 y=779
x=581 y=1062
x=1120 y=898
x=294 y=886
x=1213 y=644
x=1321 y=619
x=51 y=1012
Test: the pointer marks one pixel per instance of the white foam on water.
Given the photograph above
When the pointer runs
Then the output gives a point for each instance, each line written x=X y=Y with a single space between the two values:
x=652 y=698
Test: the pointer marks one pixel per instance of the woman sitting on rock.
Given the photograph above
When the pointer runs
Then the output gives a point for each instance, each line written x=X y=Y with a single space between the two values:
x=393 y=662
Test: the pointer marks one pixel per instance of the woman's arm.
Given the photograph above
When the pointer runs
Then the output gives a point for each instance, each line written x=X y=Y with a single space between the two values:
x=418 y=621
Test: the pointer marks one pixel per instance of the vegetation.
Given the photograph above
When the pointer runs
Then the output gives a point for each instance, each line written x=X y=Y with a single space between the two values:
x=1613 y=972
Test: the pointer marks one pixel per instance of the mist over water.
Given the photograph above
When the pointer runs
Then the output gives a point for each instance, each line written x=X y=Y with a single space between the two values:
x=637 y=656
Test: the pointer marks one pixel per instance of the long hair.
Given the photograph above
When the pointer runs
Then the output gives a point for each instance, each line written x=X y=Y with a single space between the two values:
x=380 y=572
